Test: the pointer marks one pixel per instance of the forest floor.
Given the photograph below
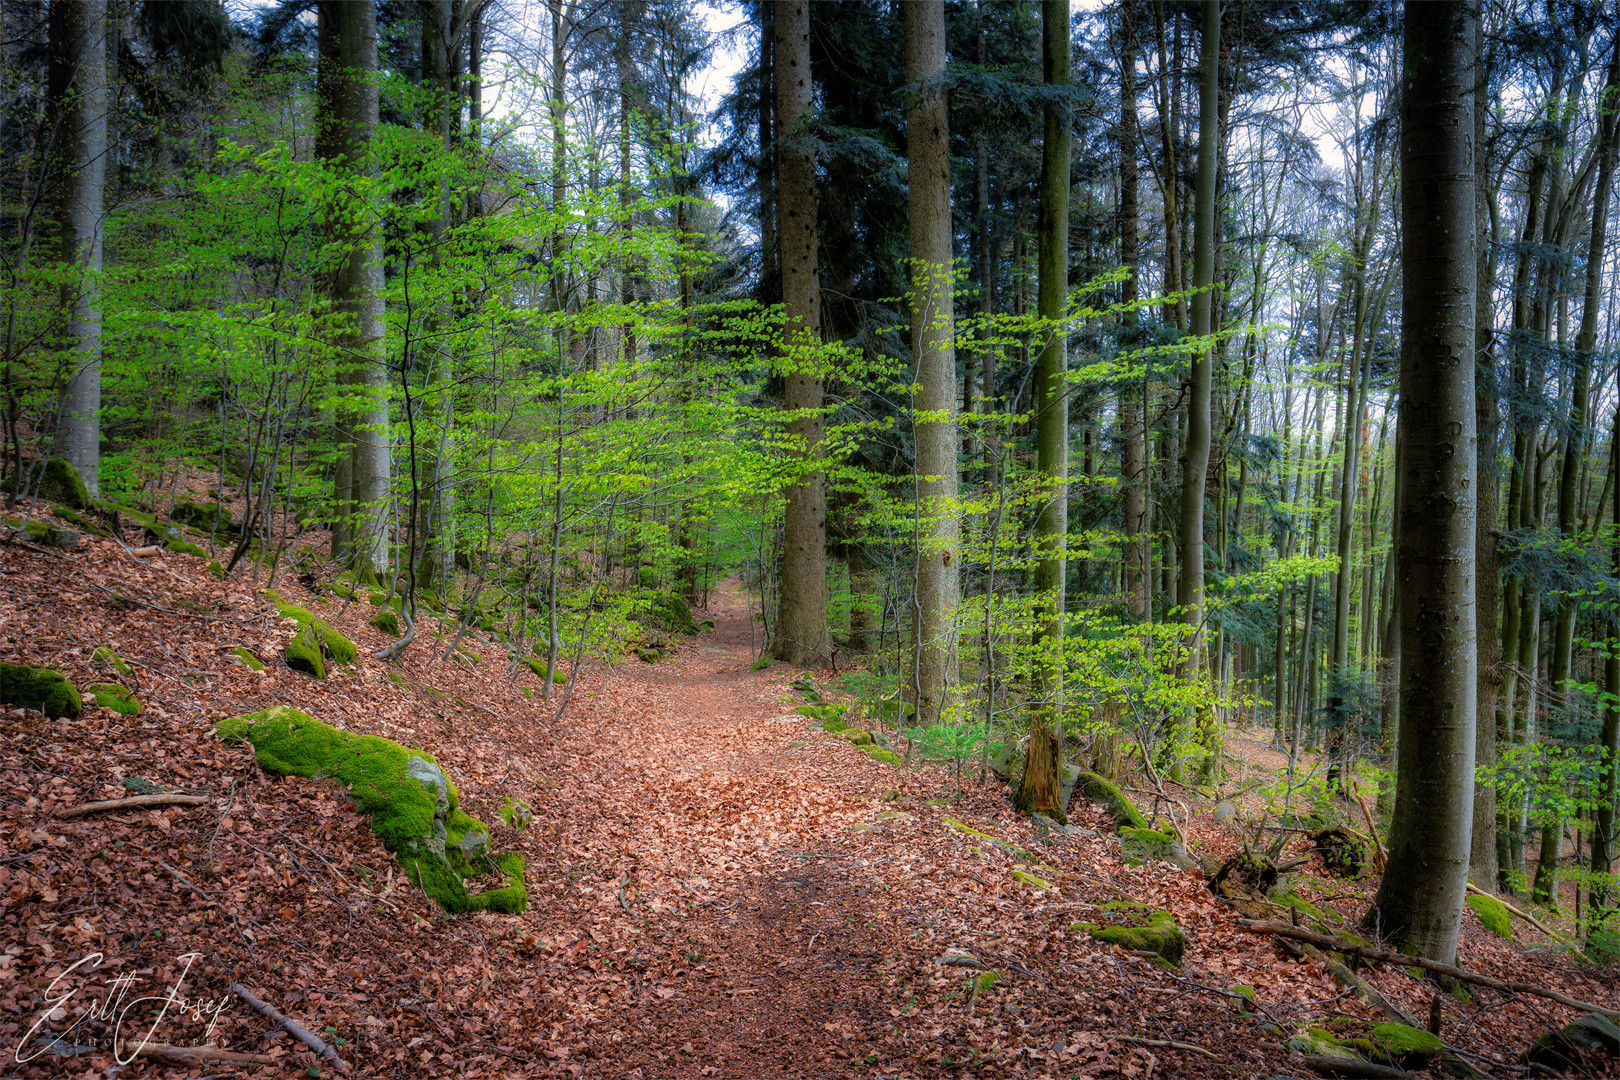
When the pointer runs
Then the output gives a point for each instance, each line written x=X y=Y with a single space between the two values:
x=717 y=887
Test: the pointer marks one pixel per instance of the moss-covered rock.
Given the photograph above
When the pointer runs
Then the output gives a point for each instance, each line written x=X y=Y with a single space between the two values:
x=387 y=622
x=1409 y=1046
x=761 y=664
x=412 y=805
x=856 y=736
x=209 y=518
x=1147 y=845
x=1138 y=926
x=1113 y=800
x=106 y=656
x=119 y=699
x=241 y=654
x=83 y=522
x=303 y=652
x=1023 y=877
x=185 y=547
x=888 y=757
x=60 y=484
x=39 y=688
x=1492 y=913
x=834 y=725
x=315 y=642
x=45 y=534
x=823 y=712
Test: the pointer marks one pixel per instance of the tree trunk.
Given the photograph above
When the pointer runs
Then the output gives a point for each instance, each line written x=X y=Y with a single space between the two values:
x=1419 y=902
x=801 y=625
x=1132 y=392
x=1040 y=789
x=78 y=108
x=348 y=95
x=931 y=684
x=1195 y=458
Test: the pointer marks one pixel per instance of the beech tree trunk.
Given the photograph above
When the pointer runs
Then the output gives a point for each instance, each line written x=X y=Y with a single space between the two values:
x=1040 y=788
x=348 y=97
x=78 y=107
x=1132 y=393
x=801 y=623
x=931 y=682
x=1419 y=903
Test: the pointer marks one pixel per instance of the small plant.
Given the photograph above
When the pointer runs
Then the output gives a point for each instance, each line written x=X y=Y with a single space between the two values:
x=956 y=744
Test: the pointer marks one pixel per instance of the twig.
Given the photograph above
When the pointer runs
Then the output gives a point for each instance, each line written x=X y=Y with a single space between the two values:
x=1402 y=960
x=1165 y=1044
x=134 y=802
x=182 y=879
x=1379 y=853
x=293 y=1028
x=1353 y=1070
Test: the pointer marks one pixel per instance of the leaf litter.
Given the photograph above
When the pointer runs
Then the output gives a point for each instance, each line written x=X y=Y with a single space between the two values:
x=717 y=888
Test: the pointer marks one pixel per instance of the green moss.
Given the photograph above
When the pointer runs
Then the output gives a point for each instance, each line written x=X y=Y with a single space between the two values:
x=1137 y=926
x=107 y=657
x=83 y=522
x=516 y=813
x=117 y=698
x=983 y=981
x=60 y=484
x=1147 y=845
x=834 y=725
x=412 y=805
x=1493 y=913
x=387 y=622
x=313 y=632
x=823 y=712
x=45 y=534
x=209 y=518
x=185 y=547
x=1031 y=880
x=217 y=569
x=888 y=757
x=303 y=653
x=1100 y=790
x=39 y=688
x=344 y=590
x=396 y=678
x=856 y=736
x=761 y=664
x=1410 y=1046
x=244 y=656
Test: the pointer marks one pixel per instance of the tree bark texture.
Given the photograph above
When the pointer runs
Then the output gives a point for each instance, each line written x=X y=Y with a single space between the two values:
x=78 y=108
x=936 y=591
x=801 y=623
x=1419 y=903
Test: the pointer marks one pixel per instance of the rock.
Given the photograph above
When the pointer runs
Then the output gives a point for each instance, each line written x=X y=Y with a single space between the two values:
x=411 y=804
x=1137 y=926
x=856 y=736
x=39 y=688
x=104 y=656
x=117 y=698
x=1113 y=800
x=241 y=654
x=1411 y=1047
x=315 y=642
x=1144 y=845
x=1492 y=913
x=807 y=689
x=823 y=712
x=1317 y=1043
x=387 y=622
x=303 y=653
x=1068 y=780
x=516 y=813
x=956 y=958
x=888 y=757
x=210 y=518
x=57 y=537
x=60 y=484
x=1225 y=811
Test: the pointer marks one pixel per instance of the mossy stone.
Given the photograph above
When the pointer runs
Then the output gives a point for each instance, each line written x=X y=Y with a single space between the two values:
x=39 y=688
x=888 y=757
x=83 y=522
x=834 y=725
x=856 y=736
x=1410 y=1046
x=60 y=484
x=107 y=657
x=761 y=664
x=1131 y=925
x=1145 y=845
x=411 y=804
x=185 y=547
x=58 y=537
x=1031 y=880
x=1492 y=913
x=1103 y=791
x=241 y=654
x=822 y=712
x=303 y=653
x=117 y=698
x=209 y=518
x=327 y=642
x=387 y=622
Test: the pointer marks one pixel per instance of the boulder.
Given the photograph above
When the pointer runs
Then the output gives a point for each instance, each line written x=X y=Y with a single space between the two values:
x=1492 y=914
x=60 y=484
x=1593 y=1035
x=117 y=698
x=411 y=803
x=58 y=537
x=39 y=688
x=1113 y=800
x=1145 y=845
x=1140 y=927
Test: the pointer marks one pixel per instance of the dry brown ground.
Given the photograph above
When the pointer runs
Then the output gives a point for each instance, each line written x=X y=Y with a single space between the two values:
x=718 y=889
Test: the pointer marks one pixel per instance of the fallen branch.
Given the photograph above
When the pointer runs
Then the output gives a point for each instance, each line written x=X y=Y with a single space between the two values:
x=1165 y=1044
x=184 y=1056
x=1380 y=856
x=1401 y=959
x=1351 y=981
x=1353 y=1070
x=134 y=802
x=292 y=1027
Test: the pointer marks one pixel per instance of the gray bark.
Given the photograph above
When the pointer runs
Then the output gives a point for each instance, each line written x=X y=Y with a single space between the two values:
x=931 y=682
x=1419 y=902
x=78 y=105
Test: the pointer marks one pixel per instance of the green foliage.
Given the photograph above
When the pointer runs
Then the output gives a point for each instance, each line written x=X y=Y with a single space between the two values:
x=115 y=697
